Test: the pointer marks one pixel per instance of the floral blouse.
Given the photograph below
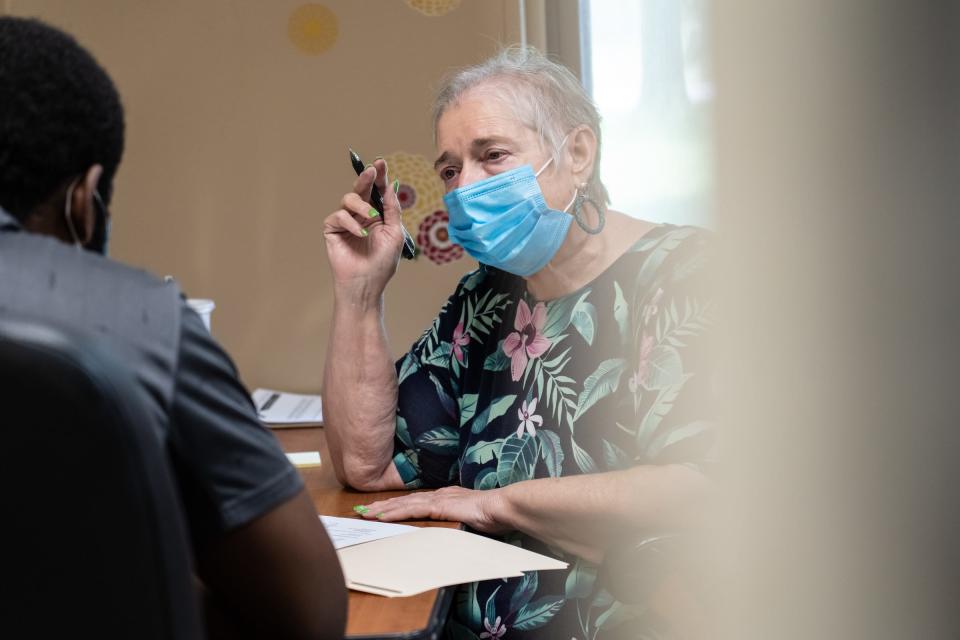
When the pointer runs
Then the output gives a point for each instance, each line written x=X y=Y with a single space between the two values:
x=503 y=388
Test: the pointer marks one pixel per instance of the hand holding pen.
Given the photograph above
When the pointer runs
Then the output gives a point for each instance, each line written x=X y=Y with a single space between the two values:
x=364 y=245
x=376 y=201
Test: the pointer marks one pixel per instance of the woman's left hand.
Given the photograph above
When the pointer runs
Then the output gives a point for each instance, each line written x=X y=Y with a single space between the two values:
x=479 y=510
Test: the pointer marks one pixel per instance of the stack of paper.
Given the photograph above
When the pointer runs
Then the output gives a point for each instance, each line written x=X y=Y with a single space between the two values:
x=280 y=409
x=433 y=557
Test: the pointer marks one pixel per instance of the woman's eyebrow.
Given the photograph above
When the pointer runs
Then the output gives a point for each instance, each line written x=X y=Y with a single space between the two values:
x=480 y=143
x=445 y=157
x=477 y=145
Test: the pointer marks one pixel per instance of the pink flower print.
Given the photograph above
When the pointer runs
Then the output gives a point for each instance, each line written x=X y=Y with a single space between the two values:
x=653 y=307
x=527 y=341
x=460 y=340
x=639 y=377
x=495 y=630
x=643 y=367
x=528 y=418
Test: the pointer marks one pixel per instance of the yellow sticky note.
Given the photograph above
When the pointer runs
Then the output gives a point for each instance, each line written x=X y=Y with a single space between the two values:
x=304 y=459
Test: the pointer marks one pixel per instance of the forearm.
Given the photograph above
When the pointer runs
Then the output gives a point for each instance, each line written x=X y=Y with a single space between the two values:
x=275 y=577
x=360 y=396
x=584 y=514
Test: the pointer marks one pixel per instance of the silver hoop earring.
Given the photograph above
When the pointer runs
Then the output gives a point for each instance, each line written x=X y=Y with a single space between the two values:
x=578 y=203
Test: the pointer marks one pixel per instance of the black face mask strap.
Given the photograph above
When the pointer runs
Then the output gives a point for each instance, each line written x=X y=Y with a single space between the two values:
x=98 y=241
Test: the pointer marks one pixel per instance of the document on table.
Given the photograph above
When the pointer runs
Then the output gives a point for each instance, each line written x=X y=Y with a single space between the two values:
x=281 y=409
x=346 y=532
x=434 y=557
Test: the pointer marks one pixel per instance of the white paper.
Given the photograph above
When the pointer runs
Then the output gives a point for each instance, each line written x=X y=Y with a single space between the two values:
x=304 y=458
x=434 y=557
x=346 y=532
x=278 y=408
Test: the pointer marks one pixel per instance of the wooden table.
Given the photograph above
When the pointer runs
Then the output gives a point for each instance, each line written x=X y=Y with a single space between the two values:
x=419 y=616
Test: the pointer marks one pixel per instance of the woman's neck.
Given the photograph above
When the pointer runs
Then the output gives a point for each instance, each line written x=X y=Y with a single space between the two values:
x=583 y=256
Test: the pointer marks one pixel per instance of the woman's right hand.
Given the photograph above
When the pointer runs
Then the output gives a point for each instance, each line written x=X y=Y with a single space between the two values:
x=363 y=250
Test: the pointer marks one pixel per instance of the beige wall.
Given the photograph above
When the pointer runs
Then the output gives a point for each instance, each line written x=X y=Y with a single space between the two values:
x=237 y=149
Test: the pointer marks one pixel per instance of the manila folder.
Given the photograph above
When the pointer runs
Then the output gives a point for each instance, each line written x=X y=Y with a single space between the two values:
x=434 y=557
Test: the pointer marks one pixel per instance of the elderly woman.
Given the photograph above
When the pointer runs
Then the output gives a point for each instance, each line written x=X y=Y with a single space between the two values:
x=560 y=399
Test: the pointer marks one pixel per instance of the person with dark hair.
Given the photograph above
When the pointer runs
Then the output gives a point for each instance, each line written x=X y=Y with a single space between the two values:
x=264 y=561
x=60 y=115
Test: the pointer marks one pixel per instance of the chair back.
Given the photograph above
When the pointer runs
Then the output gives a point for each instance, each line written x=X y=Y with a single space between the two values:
x=94 y=538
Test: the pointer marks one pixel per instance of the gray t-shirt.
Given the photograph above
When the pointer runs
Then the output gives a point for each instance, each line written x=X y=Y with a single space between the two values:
x=229 y=467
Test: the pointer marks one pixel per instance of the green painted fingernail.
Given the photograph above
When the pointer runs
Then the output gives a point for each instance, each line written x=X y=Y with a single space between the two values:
x=373 y=213
x=396 y=185
x=379 y=515
x=360 y=508
x=364 y=233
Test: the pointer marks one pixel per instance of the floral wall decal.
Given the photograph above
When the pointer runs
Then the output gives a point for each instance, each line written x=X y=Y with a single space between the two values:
x=434 y=8
x=312 y=28
x=421 y=190
x=433 y=238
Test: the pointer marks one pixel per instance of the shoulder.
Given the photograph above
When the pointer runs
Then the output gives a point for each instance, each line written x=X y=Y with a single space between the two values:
x=30 y=256
x=669 y=238
x=200 y=356
x=135 y=314
x=670 y=254
x=48 y=278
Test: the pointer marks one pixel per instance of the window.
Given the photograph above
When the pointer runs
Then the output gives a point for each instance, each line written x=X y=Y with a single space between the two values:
x=646 y=64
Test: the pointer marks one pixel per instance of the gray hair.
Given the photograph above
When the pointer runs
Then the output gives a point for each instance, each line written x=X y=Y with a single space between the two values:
x=545 y=95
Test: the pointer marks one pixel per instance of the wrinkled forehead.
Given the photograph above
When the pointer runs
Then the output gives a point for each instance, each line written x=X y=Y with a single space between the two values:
x=494 y=107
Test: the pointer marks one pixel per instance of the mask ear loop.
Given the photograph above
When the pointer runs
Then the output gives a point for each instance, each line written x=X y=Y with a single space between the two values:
x=66 y=216
x=552 y=157
x=545 y=165
x=96 y=196
x=101 y=228
x=579 y=199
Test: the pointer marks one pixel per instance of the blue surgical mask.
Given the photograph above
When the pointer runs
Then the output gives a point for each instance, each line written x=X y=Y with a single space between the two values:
x=504 y=221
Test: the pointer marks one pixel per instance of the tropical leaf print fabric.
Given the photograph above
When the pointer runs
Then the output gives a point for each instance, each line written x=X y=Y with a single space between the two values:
x=503 y=388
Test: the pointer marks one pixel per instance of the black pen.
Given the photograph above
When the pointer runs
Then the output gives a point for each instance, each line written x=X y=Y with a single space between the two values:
x=376 y=200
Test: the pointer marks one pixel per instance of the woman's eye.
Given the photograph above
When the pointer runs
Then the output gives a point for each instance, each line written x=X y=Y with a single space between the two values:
x=448 y=173
x=495 y=154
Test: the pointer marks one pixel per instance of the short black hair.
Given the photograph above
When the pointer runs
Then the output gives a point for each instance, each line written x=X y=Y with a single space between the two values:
x=59 y=114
